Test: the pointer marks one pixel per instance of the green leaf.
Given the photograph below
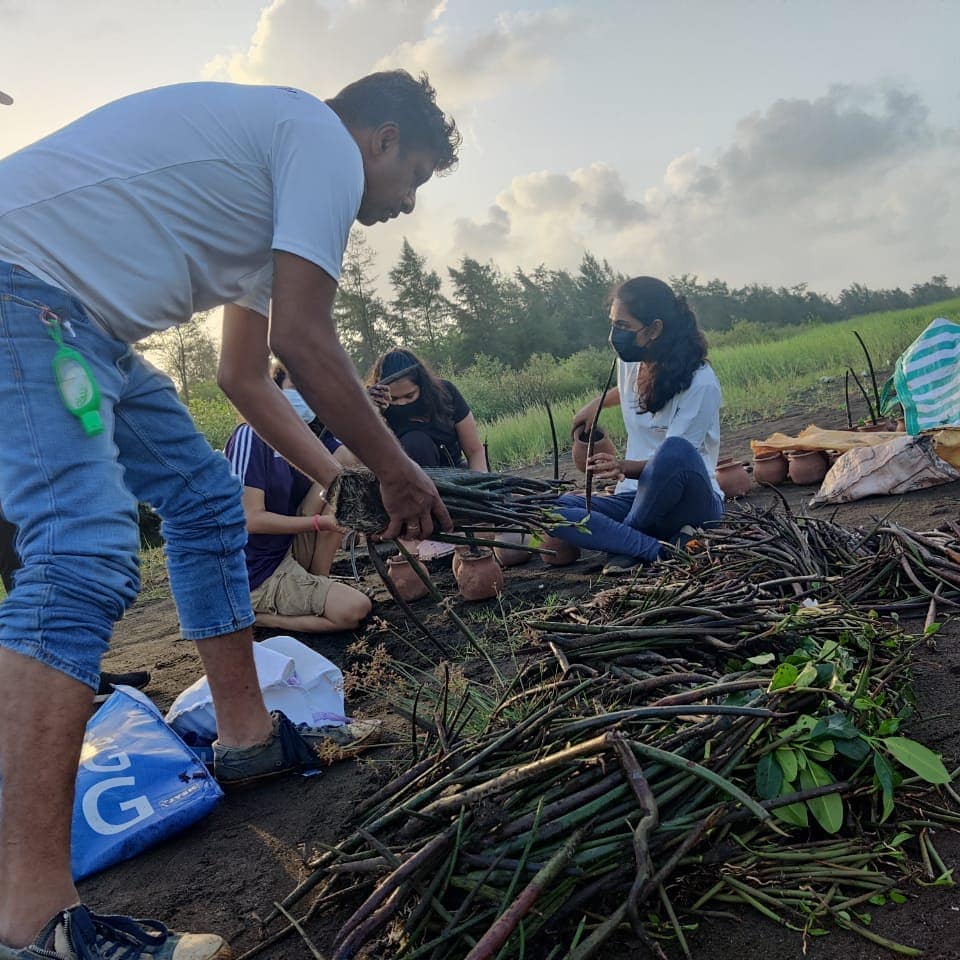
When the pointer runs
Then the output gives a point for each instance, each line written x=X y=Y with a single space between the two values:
x=826 y=675
x=878 y=900
x=800 y=728
x=897 y=897
x=783 y=676
x=793 y=813
x=920 y=759
x=827 y=810
x=853 y=749
x=829 y=648
x=836 y=727
x=902 y=837
x=884 y=773
x=890 y=725
x=806 y=676
x=821 y=750
x=862 y=703
x=932 y=629
x=761 y=659
x=769 y=777
x=788 y=762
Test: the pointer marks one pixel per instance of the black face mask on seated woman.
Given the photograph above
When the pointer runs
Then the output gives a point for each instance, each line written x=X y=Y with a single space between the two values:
x=624 y=343
x=402 y=415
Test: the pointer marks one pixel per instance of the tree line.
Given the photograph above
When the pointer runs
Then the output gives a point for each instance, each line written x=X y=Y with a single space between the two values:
x=511 y=317
x=489 y=322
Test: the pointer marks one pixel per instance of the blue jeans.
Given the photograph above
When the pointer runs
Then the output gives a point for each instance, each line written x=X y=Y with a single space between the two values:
x=74 y=497
x=674 y=490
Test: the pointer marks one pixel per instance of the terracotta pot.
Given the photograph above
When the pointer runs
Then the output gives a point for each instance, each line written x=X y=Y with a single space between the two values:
x=405 y=580
x=881 y=426
x=478 y=575
x=601 y=444
x=808 y=466
x=901 y=425
x=457 y=561
x=511 y=558
x=770 y=468
x=733 y=479
x=564 y=553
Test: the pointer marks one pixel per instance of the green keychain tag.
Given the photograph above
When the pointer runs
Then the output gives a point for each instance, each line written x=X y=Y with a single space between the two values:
x=75 y=381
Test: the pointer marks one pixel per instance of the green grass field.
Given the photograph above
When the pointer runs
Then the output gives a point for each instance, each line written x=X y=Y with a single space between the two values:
x=759 y=380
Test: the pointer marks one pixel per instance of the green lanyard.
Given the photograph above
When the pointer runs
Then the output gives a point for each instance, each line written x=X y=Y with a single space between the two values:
x=75 y=381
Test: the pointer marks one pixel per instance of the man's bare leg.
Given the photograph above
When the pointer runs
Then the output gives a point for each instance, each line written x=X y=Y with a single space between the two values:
x=43 y=714
x=242 y=718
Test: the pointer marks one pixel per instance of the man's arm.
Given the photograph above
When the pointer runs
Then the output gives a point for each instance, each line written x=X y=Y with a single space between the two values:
x=244 y=376
x=303 y=336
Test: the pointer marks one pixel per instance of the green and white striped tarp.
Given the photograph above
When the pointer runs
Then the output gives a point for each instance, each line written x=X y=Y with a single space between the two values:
x=927 y=378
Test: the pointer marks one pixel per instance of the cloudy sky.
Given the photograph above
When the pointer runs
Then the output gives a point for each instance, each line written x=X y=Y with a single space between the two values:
x=775 y=141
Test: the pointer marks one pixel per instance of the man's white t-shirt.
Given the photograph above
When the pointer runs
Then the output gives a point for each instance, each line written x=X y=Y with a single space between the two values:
x=171 y=201
x=693 y=414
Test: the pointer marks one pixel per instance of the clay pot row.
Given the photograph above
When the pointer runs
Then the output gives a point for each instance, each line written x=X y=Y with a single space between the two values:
x=477 y=569
x=803 y=467
x=478 y=575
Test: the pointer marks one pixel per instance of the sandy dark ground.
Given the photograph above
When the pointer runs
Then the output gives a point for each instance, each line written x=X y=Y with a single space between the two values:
x=251 y=850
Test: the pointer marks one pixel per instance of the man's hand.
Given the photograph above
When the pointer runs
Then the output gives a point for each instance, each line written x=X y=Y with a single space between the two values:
x=605 y=466
x=412 y=503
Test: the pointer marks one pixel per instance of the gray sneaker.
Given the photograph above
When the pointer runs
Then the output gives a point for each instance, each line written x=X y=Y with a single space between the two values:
x=78 y=934
x=292 y=748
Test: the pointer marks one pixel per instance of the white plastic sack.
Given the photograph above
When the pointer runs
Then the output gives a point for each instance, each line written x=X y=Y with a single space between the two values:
x=298 y=681
x=898 y=466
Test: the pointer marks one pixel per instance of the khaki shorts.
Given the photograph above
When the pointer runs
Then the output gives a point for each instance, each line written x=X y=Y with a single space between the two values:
x=291 y=591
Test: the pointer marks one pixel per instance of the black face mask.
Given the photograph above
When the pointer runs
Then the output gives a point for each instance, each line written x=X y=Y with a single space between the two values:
x=624 y=343
x=399 y=415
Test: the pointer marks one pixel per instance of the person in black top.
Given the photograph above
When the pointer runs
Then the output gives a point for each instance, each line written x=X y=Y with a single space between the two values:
x=428 y=415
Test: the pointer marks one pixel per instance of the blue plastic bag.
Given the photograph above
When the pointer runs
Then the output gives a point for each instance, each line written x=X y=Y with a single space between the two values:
x=138 y=783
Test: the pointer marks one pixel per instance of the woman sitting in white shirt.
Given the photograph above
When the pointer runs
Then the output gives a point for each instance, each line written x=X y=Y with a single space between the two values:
x=670 y=399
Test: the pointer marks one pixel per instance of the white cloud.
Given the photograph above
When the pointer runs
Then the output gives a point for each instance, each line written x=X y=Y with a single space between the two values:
x=320 y=46
x=471 y=68
x=812 y=190
x=551 y=217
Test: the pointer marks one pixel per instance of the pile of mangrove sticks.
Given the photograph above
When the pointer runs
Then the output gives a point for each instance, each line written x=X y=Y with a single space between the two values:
x=723 y=730
x=475 y=500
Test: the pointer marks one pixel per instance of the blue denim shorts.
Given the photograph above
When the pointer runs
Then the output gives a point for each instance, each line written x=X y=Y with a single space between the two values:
x=74 y=497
